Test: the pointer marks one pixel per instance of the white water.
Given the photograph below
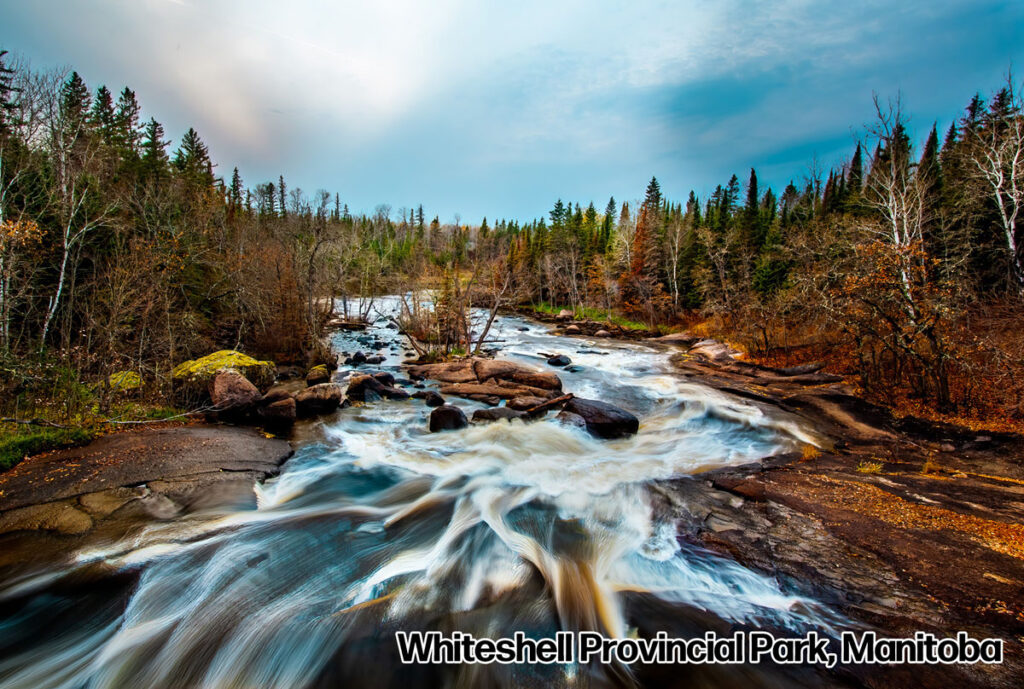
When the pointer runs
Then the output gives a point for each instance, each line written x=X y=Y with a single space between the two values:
x=379 y=526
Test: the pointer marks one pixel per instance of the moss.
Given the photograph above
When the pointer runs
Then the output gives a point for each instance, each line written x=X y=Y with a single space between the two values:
x=192 y=378
x=125 y=380
x=318 y=368
x=20 y=444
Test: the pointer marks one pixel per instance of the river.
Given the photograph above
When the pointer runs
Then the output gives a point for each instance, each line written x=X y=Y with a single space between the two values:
x=376 y=525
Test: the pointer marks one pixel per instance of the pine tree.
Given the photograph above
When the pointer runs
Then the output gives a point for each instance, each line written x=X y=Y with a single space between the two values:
x=126 y=124
x=193 y=159
x=7 y=93
x=74 y=107
x=235 y=191
x=102 y=116
x=281 y=196
x=154 y=150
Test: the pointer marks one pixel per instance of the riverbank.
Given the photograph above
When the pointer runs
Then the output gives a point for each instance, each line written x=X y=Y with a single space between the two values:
x=899 y=525
x=50 y=502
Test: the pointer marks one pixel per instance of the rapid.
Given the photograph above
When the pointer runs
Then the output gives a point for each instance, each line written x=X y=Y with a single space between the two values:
x=376 y=525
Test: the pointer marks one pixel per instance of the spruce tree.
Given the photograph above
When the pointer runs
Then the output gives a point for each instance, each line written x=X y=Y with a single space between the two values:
x=102 y=115
x=126 y=124
x=154 y=150
x=7 y=95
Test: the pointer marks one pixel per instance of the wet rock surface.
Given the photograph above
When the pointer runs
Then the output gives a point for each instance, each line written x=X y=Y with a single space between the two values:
x=447 y=418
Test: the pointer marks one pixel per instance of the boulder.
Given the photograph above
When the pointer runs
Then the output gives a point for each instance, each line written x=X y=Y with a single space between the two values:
x=559 y=360
x=191 y=379
x=487 y=390
x=385 y=378
x=357 y=358
x=602 y=333
x=485 y=369
x=545 y=381
x=447 y=418
x=279 y=413
x=564 y=315
x=524 y=403
x=370 y=388
x=602 y=419
x=375 y=360
x=573 y=329
x=318 y=374
x=446 y=372
x=318 y=399
x=496 y=414
x=684 y=338
x=431 y=398
x=232 y=394
x=275 y=394
x=570 y=419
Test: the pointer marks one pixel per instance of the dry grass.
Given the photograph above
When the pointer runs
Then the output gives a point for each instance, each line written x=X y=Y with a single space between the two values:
x=867 y=467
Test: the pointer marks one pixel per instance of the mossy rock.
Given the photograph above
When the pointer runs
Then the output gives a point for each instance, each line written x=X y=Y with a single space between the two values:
x=192 y=378
x=124 y=380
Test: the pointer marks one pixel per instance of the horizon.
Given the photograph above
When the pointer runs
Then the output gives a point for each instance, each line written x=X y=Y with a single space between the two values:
x=562 y=104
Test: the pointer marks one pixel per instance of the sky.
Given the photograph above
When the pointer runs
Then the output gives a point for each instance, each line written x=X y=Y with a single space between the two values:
x=476 y=108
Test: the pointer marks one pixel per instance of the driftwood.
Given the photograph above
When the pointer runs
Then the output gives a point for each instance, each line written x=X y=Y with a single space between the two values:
x=533 y=411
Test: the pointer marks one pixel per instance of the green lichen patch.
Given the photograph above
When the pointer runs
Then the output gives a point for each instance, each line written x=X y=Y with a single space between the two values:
x=192 y=378
x=124 y=380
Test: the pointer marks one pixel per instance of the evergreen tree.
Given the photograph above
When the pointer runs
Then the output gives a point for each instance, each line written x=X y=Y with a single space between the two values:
x=74 y=106
x=7 y=94
x=154 y=150
x=126 y=123
x=235 y=191
x=102 y=115
x=281 y=196
x=193 y=159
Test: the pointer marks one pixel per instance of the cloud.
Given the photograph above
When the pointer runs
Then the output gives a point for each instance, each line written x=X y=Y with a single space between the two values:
x=496 y=108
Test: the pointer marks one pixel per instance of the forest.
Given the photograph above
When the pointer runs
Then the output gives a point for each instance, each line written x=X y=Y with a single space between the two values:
x=124 y=253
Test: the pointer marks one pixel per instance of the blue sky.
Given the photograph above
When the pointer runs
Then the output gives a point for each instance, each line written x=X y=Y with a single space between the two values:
x=498 y=108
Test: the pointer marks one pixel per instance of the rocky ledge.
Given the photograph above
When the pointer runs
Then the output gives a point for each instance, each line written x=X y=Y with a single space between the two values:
x=124 y=479
x=900 y=524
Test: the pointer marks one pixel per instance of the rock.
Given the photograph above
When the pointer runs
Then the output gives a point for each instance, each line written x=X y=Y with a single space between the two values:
x=370 y=388
x=570 y=419
x=232 y=394
x=485 y=369
x=375 y=360
x=124 y=381
x=602 y=333
x=275 y=394
x=280 y=413
x=447 y=418
x=502 y=390
x=603 y=420
x=318 y=374
x=318 y=399
x=446 y=372
x=385 y=378
x=191 y=379
x=496 y=414
x=564 y=315
x=574 y=368
x=357 y=358
x=524 y=403
x=573 y=329
x=559 y=360
x=431 y=398
x=714 y=350
x=523 y=329
x=685 y=339
x=489 y=400
x=289 y=372
x=545 y=380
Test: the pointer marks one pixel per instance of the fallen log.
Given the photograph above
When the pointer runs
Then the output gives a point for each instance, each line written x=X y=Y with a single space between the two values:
x=532 y=411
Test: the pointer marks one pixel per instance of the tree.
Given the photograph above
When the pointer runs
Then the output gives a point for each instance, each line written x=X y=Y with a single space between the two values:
x=8 y=107
x=996 y=152
x=192 y=159
x=154 y=150
x=126 y=124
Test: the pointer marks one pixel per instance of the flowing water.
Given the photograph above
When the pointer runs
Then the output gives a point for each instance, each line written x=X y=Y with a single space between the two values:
x=376 y=525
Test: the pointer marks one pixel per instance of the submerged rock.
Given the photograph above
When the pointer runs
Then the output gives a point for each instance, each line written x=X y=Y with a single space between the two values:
x=602 y=419
x=370 y=388
x=447 y=418
x=497 y=413
x=570 y=419
x=431 y=398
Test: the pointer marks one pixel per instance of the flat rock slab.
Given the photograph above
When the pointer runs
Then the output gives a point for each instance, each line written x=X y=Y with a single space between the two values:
x=137 y=457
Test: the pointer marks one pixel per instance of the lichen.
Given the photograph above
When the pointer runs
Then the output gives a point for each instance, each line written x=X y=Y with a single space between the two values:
x=192 y=378
x=125 y=380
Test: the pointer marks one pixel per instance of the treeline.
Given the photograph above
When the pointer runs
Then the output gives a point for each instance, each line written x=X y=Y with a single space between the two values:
x=119 y=251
